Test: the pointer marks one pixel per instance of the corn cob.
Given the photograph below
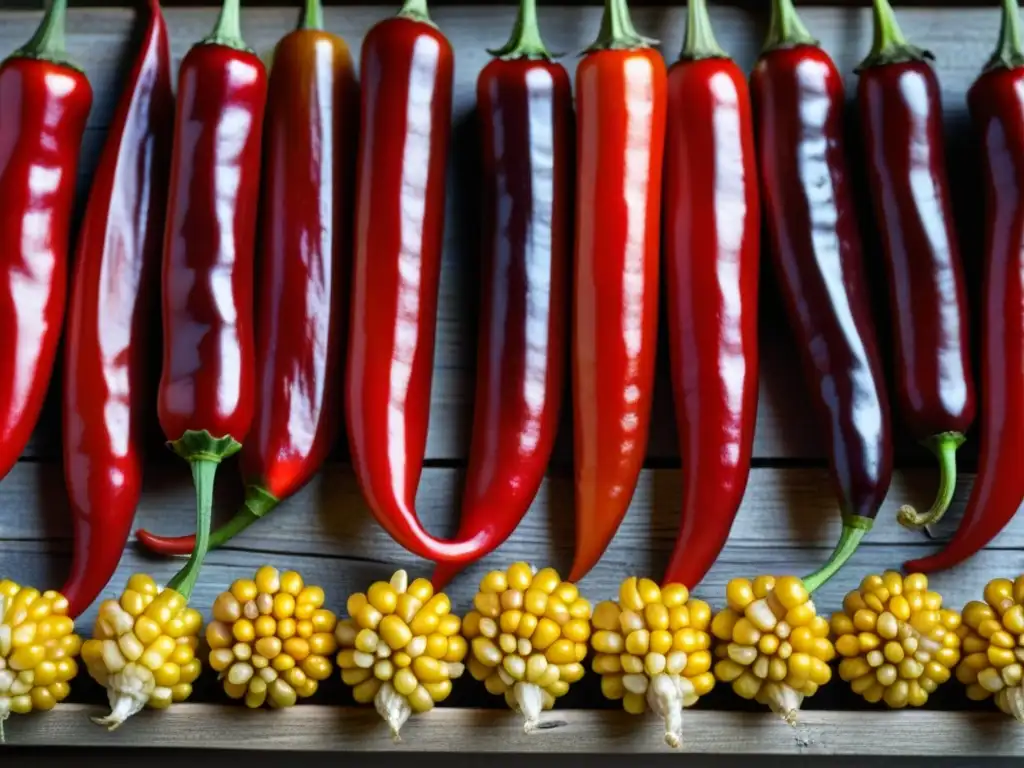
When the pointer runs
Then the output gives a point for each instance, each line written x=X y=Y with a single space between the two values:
x=400 y=648
x=528 y=636
x=143 y=649
x=271 y=640
x=897 y=641
x=652 y=649
x=38 y=646
x=774 y=647
x=992 y=637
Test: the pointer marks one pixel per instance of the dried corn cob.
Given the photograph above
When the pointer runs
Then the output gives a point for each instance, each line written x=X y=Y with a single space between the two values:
x=143 y=649
x=400 y=648
x=528 y=635
x=271 y=640
x=653 y=650
x=897 y=641
x=992 y=637
x=774 y=647
x=38 y=646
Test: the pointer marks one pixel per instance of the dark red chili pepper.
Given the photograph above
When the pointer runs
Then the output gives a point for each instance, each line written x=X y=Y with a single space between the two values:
x=816 y=249
x=311 y=101
x=901 y=111
x=712 y=240
x=996 y=102
x=205 y=400
x=524 y=100
x=621 y=103
x=44 y=103
x=107 y=387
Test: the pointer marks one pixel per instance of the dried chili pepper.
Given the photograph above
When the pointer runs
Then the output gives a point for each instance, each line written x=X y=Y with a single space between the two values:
x=901 y=112
x=816 y=249
x=996 y=102
x=524 y=100
x=44 y=103
x=712 y=241
x=205 y=398
x=621 y=103
x=312 y=96
x=107 y=386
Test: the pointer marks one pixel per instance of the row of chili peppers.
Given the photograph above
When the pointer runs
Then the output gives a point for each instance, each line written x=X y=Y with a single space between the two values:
x=228 y=376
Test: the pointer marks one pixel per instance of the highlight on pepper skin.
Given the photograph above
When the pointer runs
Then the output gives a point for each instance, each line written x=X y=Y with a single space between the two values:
x=897 y=641
x=400 y=648
x=528 y=633
x=774 y=647
x=271 y=640
x=143 y=649
x=38 y=646
x=653 y=650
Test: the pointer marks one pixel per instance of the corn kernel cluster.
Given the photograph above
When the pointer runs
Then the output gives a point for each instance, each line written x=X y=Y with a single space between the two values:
x=528 y=632
x=143 y=649
x=271 y=640
x=400 y=648
x=774 y=647
x=897 y=641
x=38 y=646
x=652 y=648
x=992 y=635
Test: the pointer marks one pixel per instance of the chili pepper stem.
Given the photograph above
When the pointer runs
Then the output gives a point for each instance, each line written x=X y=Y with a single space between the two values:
x=786 y=30
x=48 y=42
x=228 y=29
x=525 y=41
x=854 y=528
x=889 y=45
x=415 y=10
x=312 y=15
x=1009 y=53
x=700 y=42
x=944 y=447
x=203 y=473
x=617 y=31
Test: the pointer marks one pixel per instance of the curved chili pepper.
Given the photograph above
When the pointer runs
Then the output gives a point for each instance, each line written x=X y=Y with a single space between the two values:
x=901 y=111
x=312 y=96
x=816 y=249
x=107 y=390
x=44 y=104
x=205 y=399
x=996 y=102
x=621 y=103
x=524 y=100
x=712 y=240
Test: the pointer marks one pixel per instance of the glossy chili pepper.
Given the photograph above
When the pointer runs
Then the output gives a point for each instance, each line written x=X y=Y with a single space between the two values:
x=621 y=103
x=524 y=102
x=44 y=103
x=901 y=111
x=712 y=240
x=312 y=97
x=107 y=387
x=816 y=250
x=205 y=399
x=996 y=102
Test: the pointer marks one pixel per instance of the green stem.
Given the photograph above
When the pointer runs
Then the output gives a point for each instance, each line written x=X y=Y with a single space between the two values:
x=700 y=40
x=258 y=502
x=889 y=45
x=203 y=473
x=313 y=15
x=617 y=31
x=944 y=446
x=1008 y=53
x=415 y=10
x=786 y=30
x=525 y=41
x=854 y=528
x=48 y=42
x=228 y=29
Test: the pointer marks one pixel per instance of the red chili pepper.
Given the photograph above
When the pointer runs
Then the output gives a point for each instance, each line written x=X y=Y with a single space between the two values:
x=712 y=241
x=901 y=111
x=107 y=387
x=524 y=100
x=816 y=249
x=996 y=102
x=44 y=103
x=309 y=129
x=621 y=103
x=205 y=401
